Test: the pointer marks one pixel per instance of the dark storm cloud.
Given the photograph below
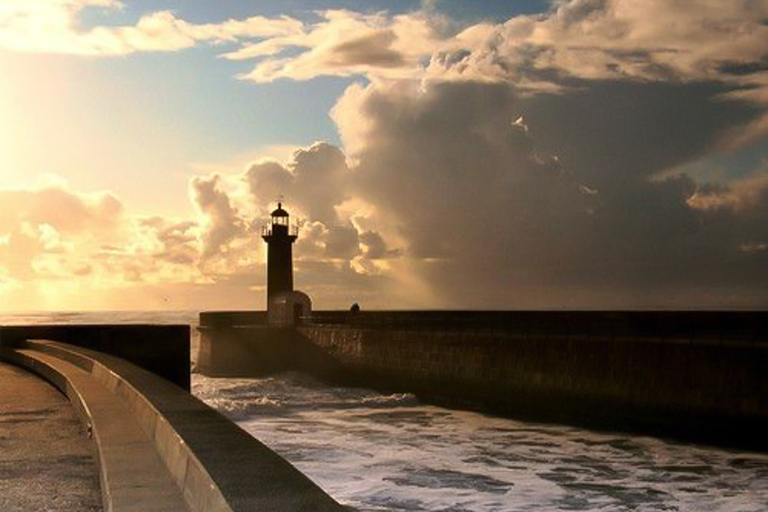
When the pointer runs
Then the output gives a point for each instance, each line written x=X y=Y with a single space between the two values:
x=633 y=129
x=616 y=137
x=375 y=246
x=341 y=242
x=492 y=217
x=744 y=68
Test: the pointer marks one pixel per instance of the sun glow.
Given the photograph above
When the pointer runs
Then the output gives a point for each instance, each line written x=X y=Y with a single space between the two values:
x=5 y=124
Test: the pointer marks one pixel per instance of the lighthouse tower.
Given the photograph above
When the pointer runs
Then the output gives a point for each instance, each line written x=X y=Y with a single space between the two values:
x=279 y=235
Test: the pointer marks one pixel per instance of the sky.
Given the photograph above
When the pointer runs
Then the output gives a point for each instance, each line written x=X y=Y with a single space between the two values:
x=510 y=154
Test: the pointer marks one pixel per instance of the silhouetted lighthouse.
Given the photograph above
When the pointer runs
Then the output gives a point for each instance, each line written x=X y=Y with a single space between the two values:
x=279 y=235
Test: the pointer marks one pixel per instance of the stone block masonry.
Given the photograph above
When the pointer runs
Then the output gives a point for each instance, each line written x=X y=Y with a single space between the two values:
x=694 y=375
x=635 y=371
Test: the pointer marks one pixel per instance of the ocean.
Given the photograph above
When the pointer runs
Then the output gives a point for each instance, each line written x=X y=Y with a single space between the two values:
x=378 y=452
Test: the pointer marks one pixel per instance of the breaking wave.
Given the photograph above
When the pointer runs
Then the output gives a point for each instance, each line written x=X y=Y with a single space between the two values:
x=379 y=452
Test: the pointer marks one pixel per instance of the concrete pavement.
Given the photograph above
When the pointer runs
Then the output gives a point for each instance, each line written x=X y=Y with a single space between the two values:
x=46 y=459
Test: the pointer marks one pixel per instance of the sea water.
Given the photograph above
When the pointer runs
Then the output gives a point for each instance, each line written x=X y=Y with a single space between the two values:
x=379 y=452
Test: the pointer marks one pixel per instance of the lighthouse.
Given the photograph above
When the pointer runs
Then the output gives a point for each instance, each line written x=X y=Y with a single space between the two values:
x=279 y=235
x=284 y=305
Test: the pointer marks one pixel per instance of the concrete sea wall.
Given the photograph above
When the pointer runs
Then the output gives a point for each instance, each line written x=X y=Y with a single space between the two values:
x=698 y=375
x=158 y=448
x=162 y=349
x=245 y=351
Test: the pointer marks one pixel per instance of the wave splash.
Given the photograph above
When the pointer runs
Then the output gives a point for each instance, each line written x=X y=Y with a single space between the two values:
x=379 y=452
x=291 y=393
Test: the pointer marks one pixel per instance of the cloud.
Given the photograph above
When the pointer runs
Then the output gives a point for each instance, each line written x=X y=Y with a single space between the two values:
x=177 y=239
x=604 y=40
x=738 y=195
x=456 y=176
x=536 y=160
x=548 y=161
x=342 y=242
x=632 y=41
x=39 y=223
x=63 y=248
x=222 y=223
x=314 y=180
x=335 y=231
x=345 y=43
x=610 y=39
x=585 y=39
x=646 y=40
x=55 y=205
x=577 y=41
x=502 y=199
x=51 y=232
x=51 y=26
x=374 y=49
x=375 y=246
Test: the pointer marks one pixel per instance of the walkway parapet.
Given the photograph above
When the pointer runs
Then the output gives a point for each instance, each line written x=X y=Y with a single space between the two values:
x=205 y=461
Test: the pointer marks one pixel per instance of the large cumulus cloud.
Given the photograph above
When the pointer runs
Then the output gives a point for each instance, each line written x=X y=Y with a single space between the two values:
x=339 y=251
x=223 y=224
x=503 y=199
x=314 y=180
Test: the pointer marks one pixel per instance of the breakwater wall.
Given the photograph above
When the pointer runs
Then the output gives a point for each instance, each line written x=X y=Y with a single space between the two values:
x=162 y=349
x=698 y=375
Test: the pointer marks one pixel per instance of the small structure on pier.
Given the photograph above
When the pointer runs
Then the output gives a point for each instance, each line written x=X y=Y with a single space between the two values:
x=288 y=308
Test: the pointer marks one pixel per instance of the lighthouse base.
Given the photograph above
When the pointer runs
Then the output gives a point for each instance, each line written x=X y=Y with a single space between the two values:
x=248 y=351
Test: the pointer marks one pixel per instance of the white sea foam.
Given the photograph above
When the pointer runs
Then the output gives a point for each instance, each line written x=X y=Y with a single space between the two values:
x=390 y=453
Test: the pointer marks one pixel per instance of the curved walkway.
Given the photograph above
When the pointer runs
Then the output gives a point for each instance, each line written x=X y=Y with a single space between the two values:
x=161 y=449
x=46 y=460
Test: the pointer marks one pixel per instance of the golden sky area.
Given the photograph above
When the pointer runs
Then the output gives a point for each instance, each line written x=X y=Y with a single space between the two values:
x=435 y=154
